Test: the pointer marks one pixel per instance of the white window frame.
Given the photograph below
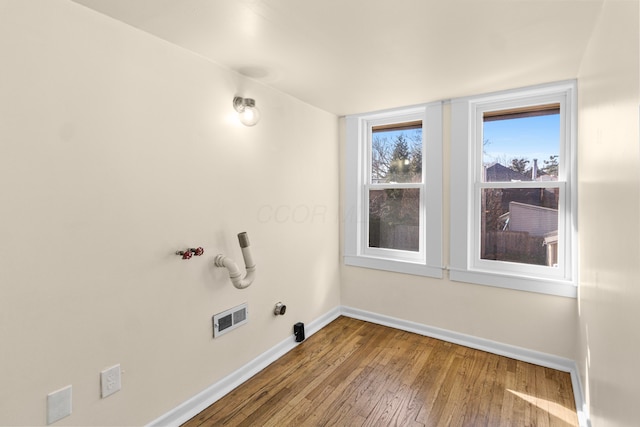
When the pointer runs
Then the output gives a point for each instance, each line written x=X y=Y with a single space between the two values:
x=427 y=261
x=466 y=182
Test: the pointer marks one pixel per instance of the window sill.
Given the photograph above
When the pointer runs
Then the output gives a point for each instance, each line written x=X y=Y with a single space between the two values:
x=397 y=266
x=557 y=287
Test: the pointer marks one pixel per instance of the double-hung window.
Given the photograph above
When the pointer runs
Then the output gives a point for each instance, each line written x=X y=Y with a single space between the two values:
x=393 y=208
x=513 y=195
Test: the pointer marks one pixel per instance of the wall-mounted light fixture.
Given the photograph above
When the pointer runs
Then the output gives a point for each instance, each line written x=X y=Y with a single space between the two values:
x=249 y=113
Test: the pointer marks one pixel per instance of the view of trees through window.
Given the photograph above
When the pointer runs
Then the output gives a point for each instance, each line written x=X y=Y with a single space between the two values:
x=519 y=223
x=394 y=199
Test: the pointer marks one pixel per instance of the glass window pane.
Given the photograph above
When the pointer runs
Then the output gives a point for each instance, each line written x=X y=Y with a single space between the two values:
x=521 y=144
x=394 y=219
x=396 y=153
x=519 y=225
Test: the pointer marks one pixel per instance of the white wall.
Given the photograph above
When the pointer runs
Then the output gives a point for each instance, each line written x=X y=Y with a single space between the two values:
x=534 y=321
x=117 y=149
x=609 y=217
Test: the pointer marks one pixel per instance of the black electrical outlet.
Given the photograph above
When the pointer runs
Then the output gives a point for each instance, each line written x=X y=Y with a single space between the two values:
x=298 y=331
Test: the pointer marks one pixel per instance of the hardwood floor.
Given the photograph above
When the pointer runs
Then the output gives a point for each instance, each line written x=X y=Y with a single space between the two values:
x=355 y=373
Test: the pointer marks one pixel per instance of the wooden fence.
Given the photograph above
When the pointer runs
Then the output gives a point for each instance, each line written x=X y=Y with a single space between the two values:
x=402 y=237
x=514 y=246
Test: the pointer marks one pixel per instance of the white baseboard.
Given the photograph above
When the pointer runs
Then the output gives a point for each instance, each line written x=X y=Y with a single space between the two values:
x=513 y=352
x=216 y=391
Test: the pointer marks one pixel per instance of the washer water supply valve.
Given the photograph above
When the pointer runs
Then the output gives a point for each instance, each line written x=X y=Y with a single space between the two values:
x=280 y=309
x=191 y=252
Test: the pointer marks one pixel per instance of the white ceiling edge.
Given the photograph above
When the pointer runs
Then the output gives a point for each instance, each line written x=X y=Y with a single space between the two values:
x=351 y=56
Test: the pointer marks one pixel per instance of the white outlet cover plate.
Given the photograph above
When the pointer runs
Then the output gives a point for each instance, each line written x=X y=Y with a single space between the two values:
x=58 y=404
x=110 y=381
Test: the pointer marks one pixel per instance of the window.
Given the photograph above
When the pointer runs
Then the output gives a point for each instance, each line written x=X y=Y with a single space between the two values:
x=512 y=189
x=393 y=218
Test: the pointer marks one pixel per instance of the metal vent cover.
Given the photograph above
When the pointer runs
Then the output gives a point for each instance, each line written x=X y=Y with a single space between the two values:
x=229 y=319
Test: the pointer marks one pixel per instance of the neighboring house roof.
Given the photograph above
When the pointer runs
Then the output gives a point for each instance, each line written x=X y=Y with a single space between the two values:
x=551 y=237
x=500 y=173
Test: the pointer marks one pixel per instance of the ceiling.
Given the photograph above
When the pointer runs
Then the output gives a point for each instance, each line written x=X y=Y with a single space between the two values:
x=353 y=56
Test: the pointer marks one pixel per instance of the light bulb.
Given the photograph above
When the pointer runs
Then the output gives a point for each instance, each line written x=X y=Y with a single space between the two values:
x=250 y=116
x=248 y=112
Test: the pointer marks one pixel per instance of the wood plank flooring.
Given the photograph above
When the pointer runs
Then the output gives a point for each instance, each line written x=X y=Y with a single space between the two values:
x=355 y=373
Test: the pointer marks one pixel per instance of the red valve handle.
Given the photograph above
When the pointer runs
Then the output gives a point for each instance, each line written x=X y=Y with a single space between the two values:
x=191 y=252
x=185 y=254
x=197 y=251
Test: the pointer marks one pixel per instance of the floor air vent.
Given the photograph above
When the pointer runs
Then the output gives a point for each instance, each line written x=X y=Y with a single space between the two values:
x=230 y=319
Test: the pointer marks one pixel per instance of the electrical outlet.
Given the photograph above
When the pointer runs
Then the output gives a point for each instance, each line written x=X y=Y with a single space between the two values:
x=58 y=404
x=110 y=380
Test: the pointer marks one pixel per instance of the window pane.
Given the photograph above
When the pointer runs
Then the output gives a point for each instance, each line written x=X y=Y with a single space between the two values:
x=396 y=153
x=519 y=225
x=394 y=219
x=521 y=144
